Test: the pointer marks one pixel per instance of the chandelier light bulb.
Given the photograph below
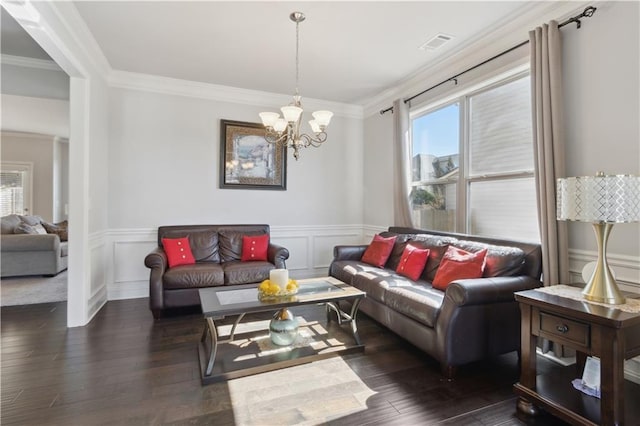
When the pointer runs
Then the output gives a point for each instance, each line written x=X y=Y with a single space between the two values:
x=315 y=127
x=291 y=113
x=269 y=118
x=280 y=125
x=323 y=117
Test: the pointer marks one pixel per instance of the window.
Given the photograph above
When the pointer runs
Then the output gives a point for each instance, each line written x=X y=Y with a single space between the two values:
x=472 y=164
x=15 y=188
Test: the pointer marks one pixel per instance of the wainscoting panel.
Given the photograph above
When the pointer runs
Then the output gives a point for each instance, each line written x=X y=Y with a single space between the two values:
x=128 y=257
x=298 y=247
x=625 y=268
x=323 y=248
x=98 y=285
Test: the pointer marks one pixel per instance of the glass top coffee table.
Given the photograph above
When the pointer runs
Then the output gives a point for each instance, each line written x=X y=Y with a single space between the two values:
x=238 y=356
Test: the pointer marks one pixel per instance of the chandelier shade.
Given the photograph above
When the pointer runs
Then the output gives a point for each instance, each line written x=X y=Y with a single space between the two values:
x=285 y=131
x=602 y=200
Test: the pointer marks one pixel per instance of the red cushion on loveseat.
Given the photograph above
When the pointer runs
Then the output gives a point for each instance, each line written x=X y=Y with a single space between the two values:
x=178 y=251
x=254 y=247
x=378 y=251
x=459 y=264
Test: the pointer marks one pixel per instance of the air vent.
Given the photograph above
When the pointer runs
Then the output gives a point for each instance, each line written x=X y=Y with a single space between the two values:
x=436 y=42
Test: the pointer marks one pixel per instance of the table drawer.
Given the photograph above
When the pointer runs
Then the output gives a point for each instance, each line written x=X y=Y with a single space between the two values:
x=566 y=329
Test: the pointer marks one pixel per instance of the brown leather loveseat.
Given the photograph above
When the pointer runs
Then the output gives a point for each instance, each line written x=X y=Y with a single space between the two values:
x=217 y=250
x=471 y=320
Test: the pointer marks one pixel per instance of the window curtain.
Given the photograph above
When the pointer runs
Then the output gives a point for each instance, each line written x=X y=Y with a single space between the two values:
x=548 y=142
x=402 y=164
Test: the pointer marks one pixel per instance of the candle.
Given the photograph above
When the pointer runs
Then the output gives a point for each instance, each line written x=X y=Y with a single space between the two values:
x=279 y=277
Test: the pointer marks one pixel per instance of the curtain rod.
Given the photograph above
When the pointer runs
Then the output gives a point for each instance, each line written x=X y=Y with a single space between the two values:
x=587 y=13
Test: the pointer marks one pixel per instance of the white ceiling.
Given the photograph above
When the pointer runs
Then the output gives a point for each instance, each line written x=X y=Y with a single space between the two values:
x=349 y=51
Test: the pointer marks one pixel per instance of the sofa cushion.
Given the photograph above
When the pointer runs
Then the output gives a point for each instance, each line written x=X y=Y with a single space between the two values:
x=376 y=282
x=345 y=270
x=238 y=272
x=418 y=301
x=231 y=243
x=32 y=220
x=60 y=229
x=378 y=251
x=178 y=251
x=8 y=223
x=254 y=247
x=198 y=275
x=459 y=264
x=412 y=262
x=23 y=228
x=501 y=261
x=204 y=245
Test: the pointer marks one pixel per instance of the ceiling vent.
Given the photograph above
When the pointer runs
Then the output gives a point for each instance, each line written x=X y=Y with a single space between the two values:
x=436 y=42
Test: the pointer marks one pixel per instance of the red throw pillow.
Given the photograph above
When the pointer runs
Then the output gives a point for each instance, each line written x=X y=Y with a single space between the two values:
x=378 y=251
x=458 y=264
x=254 y=247
x=412 y=262
x=178 y=251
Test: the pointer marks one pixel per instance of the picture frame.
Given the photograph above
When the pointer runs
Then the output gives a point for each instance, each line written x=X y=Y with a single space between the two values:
x=247 y=160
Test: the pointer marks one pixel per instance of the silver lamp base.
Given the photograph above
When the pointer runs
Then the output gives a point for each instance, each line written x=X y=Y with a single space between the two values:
x=602 y=286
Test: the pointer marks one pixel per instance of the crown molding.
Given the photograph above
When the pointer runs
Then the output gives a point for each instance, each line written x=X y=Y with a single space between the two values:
x=504 y=34
x=23 y=61
x=215 y=92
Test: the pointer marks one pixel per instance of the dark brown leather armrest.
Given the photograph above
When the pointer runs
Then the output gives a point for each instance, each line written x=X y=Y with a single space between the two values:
x=157 y=262
x=349 y=252
x=488 y=290
x=277 y=255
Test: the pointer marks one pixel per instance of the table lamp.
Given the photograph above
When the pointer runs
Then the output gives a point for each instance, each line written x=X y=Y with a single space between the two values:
x=602 y=200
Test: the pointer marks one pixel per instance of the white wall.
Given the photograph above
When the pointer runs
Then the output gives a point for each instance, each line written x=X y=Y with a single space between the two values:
x=378 y=170
x=164 y=162
x=602 y=87
x=36 y=115
x=33 y=78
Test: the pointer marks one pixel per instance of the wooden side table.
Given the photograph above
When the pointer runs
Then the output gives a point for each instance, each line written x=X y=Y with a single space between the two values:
x=608 y=333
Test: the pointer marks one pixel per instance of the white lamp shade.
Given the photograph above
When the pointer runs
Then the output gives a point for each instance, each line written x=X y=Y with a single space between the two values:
x=611 y=199
x=280 y=125
x=315 y=127
x=291 y=113
x=323 y=117
x=269 y=118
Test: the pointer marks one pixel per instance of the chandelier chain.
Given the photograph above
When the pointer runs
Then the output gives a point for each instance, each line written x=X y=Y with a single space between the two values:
x=297 y=57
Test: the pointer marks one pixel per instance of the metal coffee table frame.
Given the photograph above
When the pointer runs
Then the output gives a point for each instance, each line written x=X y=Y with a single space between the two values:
x=220 y=302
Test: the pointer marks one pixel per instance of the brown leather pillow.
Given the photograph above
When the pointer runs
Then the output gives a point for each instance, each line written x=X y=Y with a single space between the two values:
x=60 y=229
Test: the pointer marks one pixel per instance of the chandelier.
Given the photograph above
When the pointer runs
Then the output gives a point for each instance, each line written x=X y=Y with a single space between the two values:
x=285 y=132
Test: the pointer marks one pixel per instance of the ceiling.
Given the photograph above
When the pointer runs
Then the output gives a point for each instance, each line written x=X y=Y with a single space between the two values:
x=349 y=51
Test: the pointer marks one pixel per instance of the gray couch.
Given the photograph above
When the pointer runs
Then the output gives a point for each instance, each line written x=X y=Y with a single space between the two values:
x=217 y=250
x=473 y=319
x=29 y=254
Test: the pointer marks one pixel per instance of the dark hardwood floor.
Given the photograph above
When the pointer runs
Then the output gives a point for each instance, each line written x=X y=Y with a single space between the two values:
x=125 y=368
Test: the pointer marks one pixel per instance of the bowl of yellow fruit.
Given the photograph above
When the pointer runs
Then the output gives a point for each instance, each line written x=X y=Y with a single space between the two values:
x=268 y=290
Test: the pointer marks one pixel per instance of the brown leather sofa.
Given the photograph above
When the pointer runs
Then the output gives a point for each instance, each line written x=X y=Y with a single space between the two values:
x=472 y=320
x=217 y=250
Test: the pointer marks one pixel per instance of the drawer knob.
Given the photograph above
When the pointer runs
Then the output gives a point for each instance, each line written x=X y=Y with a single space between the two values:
x=562 y=328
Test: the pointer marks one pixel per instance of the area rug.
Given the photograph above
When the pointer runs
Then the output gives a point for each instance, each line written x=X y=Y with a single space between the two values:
x=32 y=290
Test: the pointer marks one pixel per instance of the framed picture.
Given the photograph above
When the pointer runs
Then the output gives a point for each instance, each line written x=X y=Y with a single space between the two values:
x=247 y=160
